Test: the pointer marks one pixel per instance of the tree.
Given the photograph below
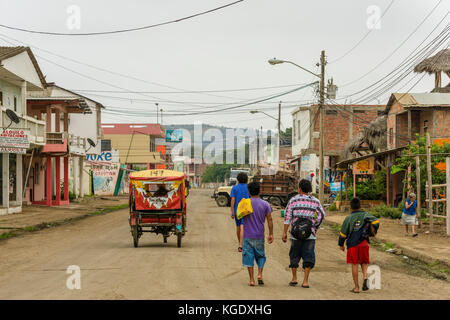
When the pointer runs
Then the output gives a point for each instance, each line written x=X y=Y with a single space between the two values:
x=286 y=137
x=419 y=147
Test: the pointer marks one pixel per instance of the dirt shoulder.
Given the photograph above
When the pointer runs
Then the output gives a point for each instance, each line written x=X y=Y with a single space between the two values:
x=427 y=247
x=38 y=217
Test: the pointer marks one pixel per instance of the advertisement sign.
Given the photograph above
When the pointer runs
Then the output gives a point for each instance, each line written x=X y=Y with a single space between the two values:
x=14 y=138
x=13 y=150
x=175 y=135
x=365 y=166
x=336 y=186
x=105 y=177
x=105 y=156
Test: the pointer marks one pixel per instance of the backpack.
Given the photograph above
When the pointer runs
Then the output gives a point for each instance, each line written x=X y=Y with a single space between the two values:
x=357 y=236
x=301 y=228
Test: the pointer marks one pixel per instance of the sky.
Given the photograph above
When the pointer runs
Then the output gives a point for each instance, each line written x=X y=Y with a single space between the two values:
x=224 y=50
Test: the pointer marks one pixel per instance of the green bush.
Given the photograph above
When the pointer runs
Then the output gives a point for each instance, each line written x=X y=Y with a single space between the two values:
x=332 y=207
x=372 y=188
x=386 y=212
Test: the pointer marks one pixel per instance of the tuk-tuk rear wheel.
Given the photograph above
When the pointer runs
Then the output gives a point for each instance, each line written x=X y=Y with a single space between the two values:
x=179 y=236
x=135 y=234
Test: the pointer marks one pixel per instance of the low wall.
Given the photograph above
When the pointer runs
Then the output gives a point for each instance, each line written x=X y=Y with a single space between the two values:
x=345 y=205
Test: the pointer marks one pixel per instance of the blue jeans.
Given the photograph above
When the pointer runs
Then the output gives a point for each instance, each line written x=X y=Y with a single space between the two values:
x=253 y=249
x=302 y=249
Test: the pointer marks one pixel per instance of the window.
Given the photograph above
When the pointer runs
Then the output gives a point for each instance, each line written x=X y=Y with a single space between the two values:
x=331 y=112
x=152 y=145
x=294 y=130
x=391 y=135
x=15 y=103
x=299 y=130
x=106 y=145
x=425 y=126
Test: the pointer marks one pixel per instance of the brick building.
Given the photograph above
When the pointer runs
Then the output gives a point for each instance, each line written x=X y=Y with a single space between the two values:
x=342 y=123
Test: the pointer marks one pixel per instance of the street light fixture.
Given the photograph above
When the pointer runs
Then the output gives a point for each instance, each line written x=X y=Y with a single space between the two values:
x=275 y=61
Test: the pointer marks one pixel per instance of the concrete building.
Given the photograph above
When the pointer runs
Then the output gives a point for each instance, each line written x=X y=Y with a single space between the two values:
x=135 y=142
x=19 y=74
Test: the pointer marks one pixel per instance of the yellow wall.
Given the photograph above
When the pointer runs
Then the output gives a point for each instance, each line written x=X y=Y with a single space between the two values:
x=139 y=151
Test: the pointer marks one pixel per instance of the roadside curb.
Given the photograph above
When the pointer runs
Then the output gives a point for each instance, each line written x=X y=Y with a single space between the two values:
x=46 y=225
x=400 y=250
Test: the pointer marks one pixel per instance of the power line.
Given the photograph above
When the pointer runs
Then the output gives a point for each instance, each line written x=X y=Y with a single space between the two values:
x=401 y=44
x=122 y=30
x=365 y=36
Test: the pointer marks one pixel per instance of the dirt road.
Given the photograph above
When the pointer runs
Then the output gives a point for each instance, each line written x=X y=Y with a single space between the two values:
x=207 y=266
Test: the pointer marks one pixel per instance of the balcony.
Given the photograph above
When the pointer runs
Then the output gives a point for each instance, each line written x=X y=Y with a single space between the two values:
x=36 y=127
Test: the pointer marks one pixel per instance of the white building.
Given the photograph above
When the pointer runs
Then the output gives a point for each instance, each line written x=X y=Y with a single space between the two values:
x=19 y=73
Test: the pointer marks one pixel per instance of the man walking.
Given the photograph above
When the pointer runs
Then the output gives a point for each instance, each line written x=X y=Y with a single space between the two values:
x=306 y=210
x=253 y=244
x=356 y=229
x=239 y=192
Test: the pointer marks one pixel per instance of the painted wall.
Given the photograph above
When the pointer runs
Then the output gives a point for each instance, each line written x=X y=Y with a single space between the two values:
x=300 y=119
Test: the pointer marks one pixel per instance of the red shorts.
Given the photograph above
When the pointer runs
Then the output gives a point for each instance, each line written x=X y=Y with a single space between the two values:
x=358 y=254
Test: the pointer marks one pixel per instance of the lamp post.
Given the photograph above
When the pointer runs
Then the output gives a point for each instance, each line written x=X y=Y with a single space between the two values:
x=321 y=76
x=157 y=120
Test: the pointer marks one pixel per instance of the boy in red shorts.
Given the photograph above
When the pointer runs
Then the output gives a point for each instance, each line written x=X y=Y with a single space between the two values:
x=356 y=229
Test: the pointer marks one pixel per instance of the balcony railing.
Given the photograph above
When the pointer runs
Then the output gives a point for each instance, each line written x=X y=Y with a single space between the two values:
x=36 y=127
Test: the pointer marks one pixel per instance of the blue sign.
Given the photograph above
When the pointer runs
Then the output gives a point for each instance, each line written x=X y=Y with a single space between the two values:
x=175 y=135
x=336 y=186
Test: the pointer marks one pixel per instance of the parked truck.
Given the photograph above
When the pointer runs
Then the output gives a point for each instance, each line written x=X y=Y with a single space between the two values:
x=276 y=188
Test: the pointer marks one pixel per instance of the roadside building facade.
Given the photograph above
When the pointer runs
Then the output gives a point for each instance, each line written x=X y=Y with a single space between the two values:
x=343 y=122
x=19 y=74
x=136 y=143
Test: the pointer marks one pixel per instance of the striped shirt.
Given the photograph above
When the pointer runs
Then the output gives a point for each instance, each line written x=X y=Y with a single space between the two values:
x=305 y=206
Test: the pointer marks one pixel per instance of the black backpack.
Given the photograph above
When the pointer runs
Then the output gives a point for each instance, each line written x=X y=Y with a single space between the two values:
x=301 y=228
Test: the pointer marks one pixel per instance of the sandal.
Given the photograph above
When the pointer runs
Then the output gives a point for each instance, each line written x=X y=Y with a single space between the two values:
x=353 y=291
x=305 y=286
x=251 y=284
x=365 y=287
x=415 y=234
x=260 y=282
x=239 y=249
x=293 y=284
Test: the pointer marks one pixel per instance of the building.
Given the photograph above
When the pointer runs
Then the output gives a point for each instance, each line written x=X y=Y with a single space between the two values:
x=342 y=123
x=409 y=114
x=19 y=74
x=135 y=142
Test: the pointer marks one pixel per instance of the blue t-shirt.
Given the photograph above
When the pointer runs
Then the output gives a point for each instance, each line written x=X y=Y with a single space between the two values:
x=239 y=191
x=411 y=210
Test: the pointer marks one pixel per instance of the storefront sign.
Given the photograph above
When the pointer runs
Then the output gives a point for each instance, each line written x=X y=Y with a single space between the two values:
x=365 y=166
x=336 y=186
x=14 y=138
x=13 y=150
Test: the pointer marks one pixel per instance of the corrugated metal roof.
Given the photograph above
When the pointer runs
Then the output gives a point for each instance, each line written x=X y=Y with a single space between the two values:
x=427 y=99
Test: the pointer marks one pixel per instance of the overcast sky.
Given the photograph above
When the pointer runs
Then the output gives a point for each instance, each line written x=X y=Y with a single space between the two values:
x=226 y=49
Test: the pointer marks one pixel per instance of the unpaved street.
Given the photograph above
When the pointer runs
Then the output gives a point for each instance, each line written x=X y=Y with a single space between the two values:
x=207 y=266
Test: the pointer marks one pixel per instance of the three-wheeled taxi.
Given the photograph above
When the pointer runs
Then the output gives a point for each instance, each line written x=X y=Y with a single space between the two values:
x=157 y=203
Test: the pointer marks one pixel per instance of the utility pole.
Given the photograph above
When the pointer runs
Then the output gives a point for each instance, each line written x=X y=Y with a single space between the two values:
x=279 y=133
x=157 y=118
x=322 y=98
x=161 y=116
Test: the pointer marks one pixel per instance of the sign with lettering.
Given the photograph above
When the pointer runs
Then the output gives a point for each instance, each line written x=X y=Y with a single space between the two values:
x=105 y=156
x=365 y=166
x=175 y=135
x=15 y=138
x=13 y=150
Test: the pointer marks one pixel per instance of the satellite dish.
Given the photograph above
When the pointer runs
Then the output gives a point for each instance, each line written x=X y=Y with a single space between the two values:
x=89 y=140
x=12 y=116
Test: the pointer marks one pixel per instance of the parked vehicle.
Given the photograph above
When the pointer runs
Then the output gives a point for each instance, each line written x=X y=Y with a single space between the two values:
x=278 y=188
x=222 y=196
x=157 y=203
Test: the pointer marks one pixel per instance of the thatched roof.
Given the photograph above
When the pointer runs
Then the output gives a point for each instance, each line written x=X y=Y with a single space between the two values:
x=373 y=136
x=437 y=63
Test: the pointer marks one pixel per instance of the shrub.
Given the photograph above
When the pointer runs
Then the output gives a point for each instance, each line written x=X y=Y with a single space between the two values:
x=332 y=207
x=386 y=211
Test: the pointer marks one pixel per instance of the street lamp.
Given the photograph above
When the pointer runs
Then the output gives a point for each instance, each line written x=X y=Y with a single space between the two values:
x=275 y=61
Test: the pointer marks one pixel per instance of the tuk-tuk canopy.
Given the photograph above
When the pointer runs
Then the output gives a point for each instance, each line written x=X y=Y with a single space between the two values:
x=158 y=175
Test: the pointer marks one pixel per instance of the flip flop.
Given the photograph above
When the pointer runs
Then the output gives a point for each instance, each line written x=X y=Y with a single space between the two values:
x=260 y=282
x=239 y=249
x=353 y=291
x=305 y=286
x=251 y=285
x=293 y=284
x=365 y=286
x=415 y=235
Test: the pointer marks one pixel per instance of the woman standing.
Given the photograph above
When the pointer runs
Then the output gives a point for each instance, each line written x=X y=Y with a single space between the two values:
x=409 y=214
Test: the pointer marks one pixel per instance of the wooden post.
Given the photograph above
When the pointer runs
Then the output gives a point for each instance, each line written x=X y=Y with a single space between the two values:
x=430 y=182
x=419 y=203
x=347 y=184
x=447 y=162
x=354 y=185
x=340 y=191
